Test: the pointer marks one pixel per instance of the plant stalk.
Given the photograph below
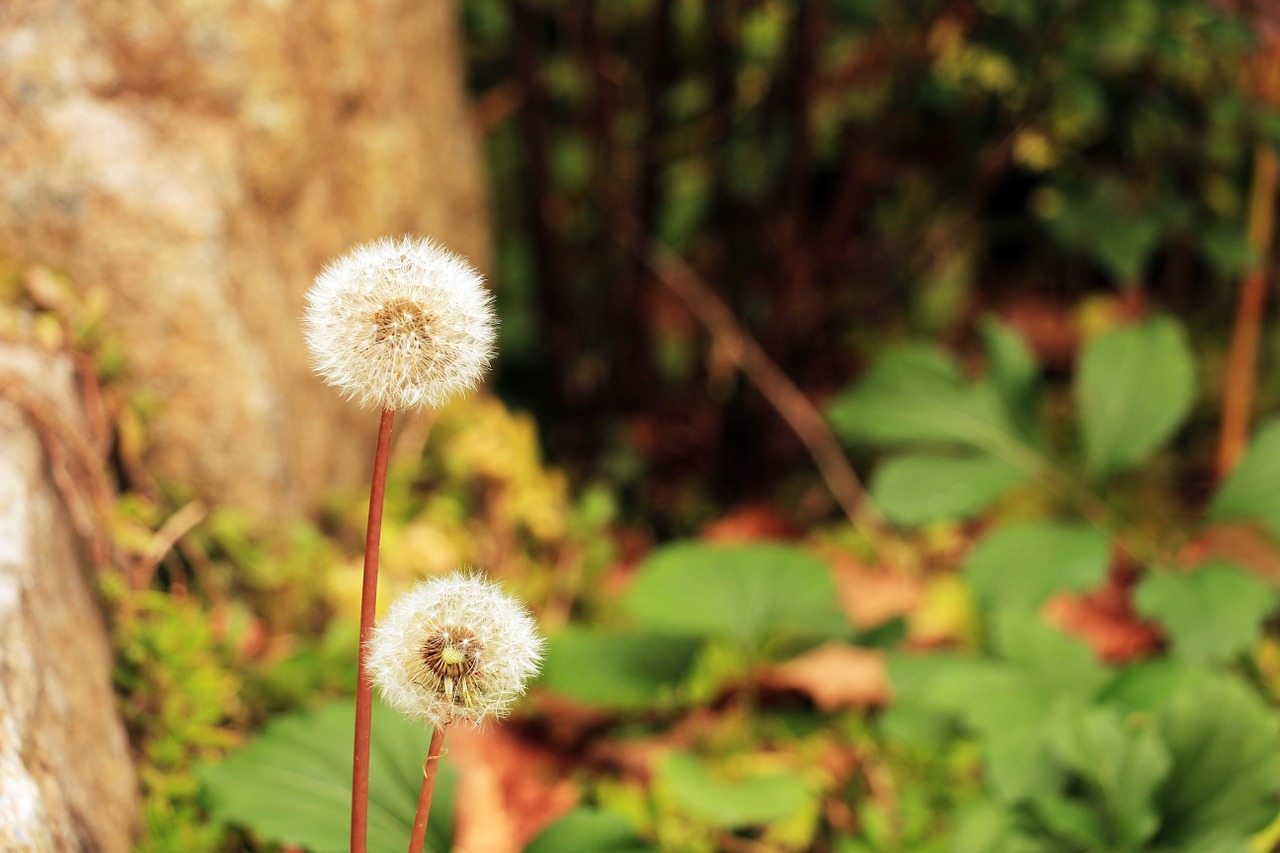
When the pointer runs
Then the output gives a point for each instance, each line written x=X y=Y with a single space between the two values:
x=1241 y=372
x=368 y=608
x=429 y=769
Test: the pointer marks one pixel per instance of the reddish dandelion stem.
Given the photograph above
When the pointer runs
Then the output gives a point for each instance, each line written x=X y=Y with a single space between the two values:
x=429 y=769
x=368 y=607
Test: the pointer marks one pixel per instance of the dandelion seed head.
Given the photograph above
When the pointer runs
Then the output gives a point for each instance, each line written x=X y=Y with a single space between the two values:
x=454 y=648
x=400 y=324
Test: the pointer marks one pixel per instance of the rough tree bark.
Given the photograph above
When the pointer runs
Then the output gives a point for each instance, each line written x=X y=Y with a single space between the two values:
x=66 y=781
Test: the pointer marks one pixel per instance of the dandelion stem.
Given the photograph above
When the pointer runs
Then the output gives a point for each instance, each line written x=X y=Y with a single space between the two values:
x=368 y=607
x=429 y=769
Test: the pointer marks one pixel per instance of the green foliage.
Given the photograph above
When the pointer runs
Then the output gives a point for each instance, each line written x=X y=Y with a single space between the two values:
x=1211 y=615
x=633 y=670
x=1080 y=759
x=915 y=489
x=1134 y=387
x=762 y=598
x=970 y=442
x=975 y=432
x=1019 y=565
x=590 y=831
x=293 y=783
x=918 y=395
x=1250 y=493
x=751 y=800
x=688 y=600
x=178 y=689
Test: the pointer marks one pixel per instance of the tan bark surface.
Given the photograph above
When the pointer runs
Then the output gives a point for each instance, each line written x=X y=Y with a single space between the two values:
x=200 y=160
x=66 y=779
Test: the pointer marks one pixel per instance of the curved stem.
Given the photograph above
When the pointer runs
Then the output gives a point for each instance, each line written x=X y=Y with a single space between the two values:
x=776 y=387
x=368 y=607
x=429 y=769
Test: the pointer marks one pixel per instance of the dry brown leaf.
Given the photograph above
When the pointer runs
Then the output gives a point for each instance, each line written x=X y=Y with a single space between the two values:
x=508 y=791
x=750 y=523
x=1243 y=544
x=1106 y=620
x=872 y=597
x=834 y=675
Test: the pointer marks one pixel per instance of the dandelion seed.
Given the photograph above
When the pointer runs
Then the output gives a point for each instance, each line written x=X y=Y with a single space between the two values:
x=400 y=324
x=454 y=648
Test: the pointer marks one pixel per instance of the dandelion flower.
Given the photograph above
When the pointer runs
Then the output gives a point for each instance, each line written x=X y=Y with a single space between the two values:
x=454 y=648
x=399 y=324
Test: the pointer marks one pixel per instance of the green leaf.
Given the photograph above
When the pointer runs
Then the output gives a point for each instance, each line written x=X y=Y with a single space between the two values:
x=1071 y=820
x=1020 y=565
x=992 y=828
x=1014 y=372
x=1004 y=702
x=617 y=670
x=292 y=785
x=754 y=800
x=589 y=831
x=758 y=596
x=1226 y=765
x=1212 y=614
x=1148 y=687
x=1056 y=664
x=1134 y=387
x=1122 y=766
x=917 y=394
x=1104 y=222
x=913 y=490
x=1250 y=493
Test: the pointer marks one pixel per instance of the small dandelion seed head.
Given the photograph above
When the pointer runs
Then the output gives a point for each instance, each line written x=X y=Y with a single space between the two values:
x=454 y=648
x=400 y=324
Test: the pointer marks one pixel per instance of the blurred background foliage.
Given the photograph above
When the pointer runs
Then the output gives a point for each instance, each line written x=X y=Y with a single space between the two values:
x=843 y=172
x=1000 y=245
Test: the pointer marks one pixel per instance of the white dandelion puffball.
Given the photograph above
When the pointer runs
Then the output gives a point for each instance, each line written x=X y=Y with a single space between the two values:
x=454 y=648
x=400 y=324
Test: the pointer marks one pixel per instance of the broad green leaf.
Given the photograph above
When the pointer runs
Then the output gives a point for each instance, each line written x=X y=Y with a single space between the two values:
x=1057 y=665
x=617 y=670
x=1070 y=820
x=913 y=490
x=292 y=785
x=916 y=394
x=1020 y=565
x=1226 y=764
x=589 y=831
x=1212 y=614
x=993 y=700
x=992 y=828
x=1148 y=686
x=753 y=800
x=1251 y=491
x=758 y=596
x=1014 y=372
x=1134 y=386
x=1121 y=764
x=1225 y=842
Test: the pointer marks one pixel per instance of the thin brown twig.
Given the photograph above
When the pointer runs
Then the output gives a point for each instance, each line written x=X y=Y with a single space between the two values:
x=789 y=401
x=164 y=540
x=368 y=607
x=430 y=768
